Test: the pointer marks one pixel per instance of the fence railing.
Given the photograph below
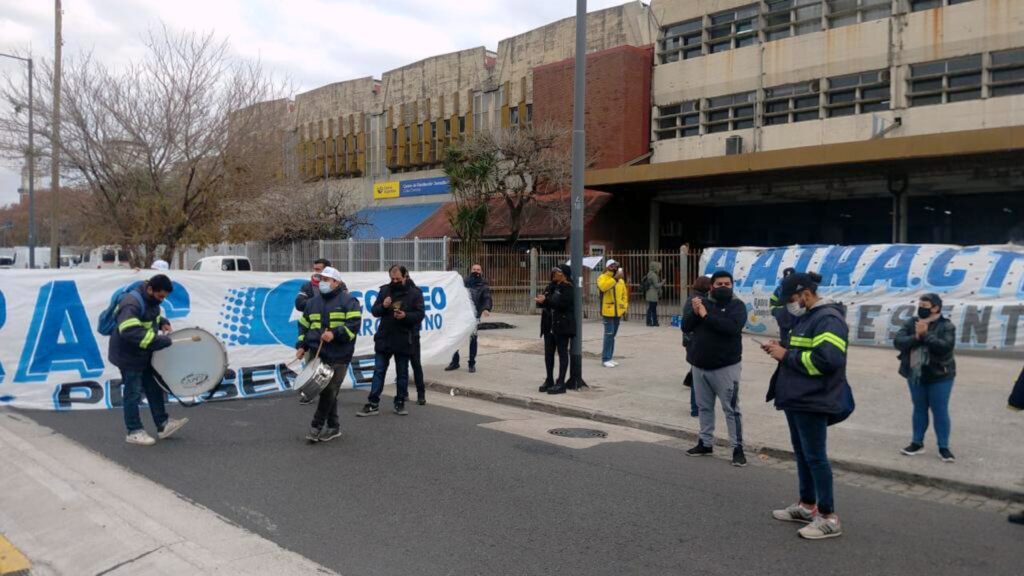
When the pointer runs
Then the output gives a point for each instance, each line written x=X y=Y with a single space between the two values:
x=516 y=276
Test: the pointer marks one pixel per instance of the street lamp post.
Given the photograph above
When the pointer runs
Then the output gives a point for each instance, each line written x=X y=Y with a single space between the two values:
x=576 y=228
x=31 y=167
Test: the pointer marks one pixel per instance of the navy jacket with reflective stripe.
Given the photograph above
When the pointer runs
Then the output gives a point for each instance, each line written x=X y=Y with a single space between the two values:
x=338 y=312
x=137 y=334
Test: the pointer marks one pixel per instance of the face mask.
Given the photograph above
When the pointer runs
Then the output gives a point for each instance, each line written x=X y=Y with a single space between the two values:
x=476 y=274
x=325 y=287
x=722 y=295
x=795 y=309
x=924 y=313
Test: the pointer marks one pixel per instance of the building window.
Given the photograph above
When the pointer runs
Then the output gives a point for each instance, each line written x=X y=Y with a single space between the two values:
x=791 y=103
x=732 y=29
x=529 y=114
x=1006 y=73
x=732 y=112
x=918 y=5
x=462 y=125
x=944 y=81
x=847 y=12
x=513 y=116
x=678 y=121
x=447 y=127
x=682 y=41
x=857 y=93
x=785 y=18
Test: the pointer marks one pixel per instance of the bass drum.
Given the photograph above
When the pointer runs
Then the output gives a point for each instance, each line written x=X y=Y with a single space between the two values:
x=190 y=367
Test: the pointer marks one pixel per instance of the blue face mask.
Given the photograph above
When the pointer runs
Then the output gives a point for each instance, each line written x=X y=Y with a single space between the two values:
x=325 y=287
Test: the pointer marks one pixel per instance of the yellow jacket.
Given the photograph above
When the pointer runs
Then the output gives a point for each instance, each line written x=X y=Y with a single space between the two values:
x=614 y=295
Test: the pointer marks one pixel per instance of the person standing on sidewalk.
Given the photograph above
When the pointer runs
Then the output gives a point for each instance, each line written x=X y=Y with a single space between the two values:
x=309 y=289
x=715 y=352
x=701 y=287
x=557 y=326
x=1016 y=403
x=331 y=320
x=926 y=345
x=131 y=348
x=614 y=303
x=399 y=306
x=651 y=287
x=810 y=387
x=480 y=294
x=778 y=308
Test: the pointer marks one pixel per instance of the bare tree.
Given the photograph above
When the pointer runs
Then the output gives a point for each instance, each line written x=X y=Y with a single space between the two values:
x=283 y=213
x=515 y=166
x=152 y=141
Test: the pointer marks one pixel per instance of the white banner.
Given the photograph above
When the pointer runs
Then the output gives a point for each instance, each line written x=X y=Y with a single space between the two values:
x=52 y=357
x=982 y=287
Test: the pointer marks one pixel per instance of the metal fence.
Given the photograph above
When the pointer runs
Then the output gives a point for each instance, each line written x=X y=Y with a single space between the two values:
x=516 y=275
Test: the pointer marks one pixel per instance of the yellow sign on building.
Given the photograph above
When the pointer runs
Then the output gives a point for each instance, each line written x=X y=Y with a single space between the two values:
x=385 y=190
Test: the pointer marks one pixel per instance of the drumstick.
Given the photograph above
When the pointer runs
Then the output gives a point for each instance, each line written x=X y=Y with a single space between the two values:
x=190 y=339
x=318 y=350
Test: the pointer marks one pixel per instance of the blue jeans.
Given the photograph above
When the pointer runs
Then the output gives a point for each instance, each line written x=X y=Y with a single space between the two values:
x=808 y=431
x=380 y=371
x=652 y=313
x=611 y=328
x=136 y=382
x=935 y=397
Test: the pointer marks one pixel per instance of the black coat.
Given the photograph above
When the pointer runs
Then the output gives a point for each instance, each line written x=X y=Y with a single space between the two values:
x=396 y=336
x=480 y=294
x=938 y=344
x=717 y=339
x=557 y=316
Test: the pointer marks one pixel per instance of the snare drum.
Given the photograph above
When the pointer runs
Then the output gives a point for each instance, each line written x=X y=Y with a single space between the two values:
x=315 y=376
x=189 y=367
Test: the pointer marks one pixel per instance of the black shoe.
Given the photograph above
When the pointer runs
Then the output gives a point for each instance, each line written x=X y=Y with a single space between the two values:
x=547 y=385
x=369 y=410
x=421 y=401
x=451 y=367
x=913 y=449
x=330 y=434
x=700 y=450
x=400 y=409
x=739 y=459
x=946 y=456
x=472 y=369
x=1017 y=518
x=313 y=435
x=558 y=388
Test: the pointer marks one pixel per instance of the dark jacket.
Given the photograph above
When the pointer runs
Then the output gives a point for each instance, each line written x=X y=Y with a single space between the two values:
x=557 y=316
x=937 y=345
x=480 y=293
x=812 y=375
x=398 y=336
x=338 y=312
x=688 y=309
x=1016 y=399
x=306 y=292
x=717 y=339
x=782 y=316
x=137 y=334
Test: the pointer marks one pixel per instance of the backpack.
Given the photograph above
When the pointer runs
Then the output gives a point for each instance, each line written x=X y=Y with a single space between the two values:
x=645 y=285
x=108 y=318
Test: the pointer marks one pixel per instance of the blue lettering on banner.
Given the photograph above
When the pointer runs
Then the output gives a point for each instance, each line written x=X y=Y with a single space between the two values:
x=59 y=313
x=765 y=269
x=424 y=187
x=939 y=278
x=3 y=320
x=1000 y=269
x=721 y=259
x=891 y=267
x=840 y=264
x=806 y=253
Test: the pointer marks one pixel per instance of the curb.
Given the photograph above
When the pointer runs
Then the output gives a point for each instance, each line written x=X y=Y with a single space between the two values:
x=992 y=492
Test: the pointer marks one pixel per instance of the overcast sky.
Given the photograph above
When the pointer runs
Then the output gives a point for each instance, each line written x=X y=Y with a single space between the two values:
x=313 y=42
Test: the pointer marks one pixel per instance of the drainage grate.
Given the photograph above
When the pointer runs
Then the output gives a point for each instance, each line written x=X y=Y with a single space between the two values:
x=578 y=433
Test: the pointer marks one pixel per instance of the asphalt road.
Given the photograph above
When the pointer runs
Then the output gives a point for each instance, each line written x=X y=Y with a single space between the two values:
x=435 y=493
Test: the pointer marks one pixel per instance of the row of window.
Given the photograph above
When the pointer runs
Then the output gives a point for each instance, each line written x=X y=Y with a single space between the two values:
x=954 y=80
x=772 y=20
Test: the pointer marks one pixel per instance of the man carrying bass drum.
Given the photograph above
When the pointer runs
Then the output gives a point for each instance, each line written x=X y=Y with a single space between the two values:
x=330 y=324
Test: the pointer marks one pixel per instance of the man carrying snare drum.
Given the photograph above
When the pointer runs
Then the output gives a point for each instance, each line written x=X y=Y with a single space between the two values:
x=330 y=324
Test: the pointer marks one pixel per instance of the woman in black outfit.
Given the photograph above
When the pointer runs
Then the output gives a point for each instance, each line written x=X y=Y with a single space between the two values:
x=557 y=326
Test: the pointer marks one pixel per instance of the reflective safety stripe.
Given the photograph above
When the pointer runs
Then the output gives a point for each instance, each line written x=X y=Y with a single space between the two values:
x=351 y=336
x=805 y=357
x=301 y=337
x=147 y=325
x=315 y=325
x=337 y=315
x=354 y=314
x=314 y=316
x=303 y=322
x=801 y=342
x=147 y=339
x=129 y=323
x=831 y=338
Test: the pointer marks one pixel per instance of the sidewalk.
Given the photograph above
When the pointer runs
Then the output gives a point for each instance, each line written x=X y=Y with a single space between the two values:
x=70 y=511
x=646 y=392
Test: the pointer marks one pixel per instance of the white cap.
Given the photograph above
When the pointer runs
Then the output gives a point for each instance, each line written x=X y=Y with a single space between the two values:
x=610 y=262
x=160 y=265
x=331 y=273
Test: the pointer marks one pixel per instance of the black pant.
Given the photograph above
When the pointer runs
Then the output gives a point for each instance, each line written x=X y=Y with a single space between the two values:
x=327 y=407
x=652 y=314
x=472 y=352
x=553 y=342
x=417 y=370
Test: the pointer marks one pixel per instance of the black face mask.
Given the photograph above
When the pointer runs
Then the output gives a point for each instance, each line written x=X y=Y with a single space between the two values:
x=924 y=313
x=722 y=295
x=476 y=274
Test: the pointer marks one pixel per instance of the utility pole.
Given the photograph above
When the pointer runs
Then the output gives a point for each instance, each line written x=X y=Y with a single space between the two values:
x=30 y=159
x=576 y=229
x=55 y=148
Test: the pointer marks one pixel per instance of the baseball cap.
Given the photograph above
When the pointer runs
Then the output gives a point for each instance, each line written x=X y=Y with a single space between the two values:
x=610 y=262
x=798 y=282
x=160 y=265
x=332 y=273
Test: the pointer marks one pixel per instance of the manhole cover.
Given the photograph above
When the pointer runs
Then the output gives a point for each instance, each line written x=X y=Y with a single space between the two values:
x=578 y=433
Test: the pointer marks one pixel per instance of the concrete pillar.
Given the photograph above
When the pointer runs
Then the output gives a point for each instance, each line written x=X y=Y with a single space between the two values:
x=900 y=220
x=655 y=226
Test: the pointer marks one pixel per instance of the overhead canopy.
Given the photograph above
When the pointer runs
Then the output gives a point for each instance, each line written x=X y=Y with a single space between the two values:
x=392 y=221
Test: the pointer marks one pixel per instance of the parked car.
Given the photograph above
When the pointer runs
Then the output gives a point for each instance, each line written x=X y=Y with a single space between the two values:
x=106 y=257
x=223 y=264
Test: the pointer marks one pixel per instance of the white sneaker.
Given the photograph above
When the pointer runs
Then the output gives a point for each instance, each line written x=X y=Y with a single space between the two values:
x=140 y=438
x=821 y=528
x=171 y=426
x=609 y=364
x=614 y=363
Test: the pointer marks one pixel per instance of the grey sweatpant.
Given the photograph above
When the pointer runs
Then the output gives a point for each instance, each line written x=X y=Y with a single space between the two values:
x=723 y=384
